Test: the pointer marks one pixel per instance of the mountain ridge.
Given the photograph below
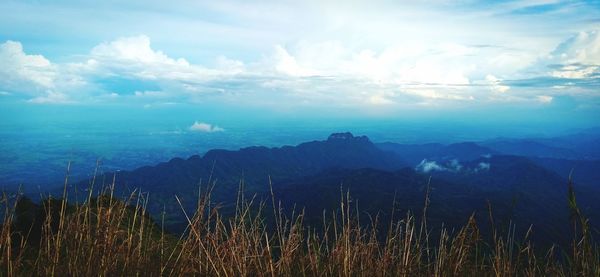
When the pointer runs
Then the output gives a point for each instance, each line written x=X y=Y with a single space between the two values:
x=464 y=177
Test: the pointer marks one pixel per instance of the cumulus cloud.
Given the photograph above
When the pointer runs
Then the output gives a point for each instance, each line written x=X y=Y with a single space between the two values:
x=302 y=73
x=205 y=127
x=583 y=48
x=35 y=77
x=134 y=57
x=23 y=72
x=407 y=63
x=134 y=49
x=287 y=64
x=231 y=66
x=374 y=55
x=578 y=57
x=122 y=65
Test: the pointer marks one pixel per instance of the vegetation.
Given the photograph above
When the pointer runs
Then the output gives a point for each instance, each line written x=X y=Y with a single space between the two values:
x=106 y=236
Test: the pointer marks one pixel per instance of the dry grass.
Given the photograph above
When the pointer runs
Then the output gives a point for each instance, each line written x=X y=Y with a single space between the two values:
x=104 y=236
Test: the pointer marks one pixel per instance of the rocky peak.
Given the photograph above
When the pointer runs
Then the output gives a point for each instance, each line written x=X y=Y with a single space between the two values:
x=347 y=136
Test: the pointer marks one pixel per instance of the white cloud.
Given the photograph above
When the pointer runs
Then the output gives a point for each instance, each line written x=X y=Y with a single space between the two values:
x=453 y=165
x=134 y=57
x=428 y=166
x=130 y=58
x=22 y=72
x=151 y=94
x=34 y=76
x=577 y=57
x=482 y=166
x=545 y=99
x=51 y=98
x=583 y=48
x=406 y=63
x=205 y=127
x=496 y=84
x=287 y=64
x=134 y=49
x=231 y=66
x=380 y=100
x=574 y=71
x=438 y=93
x=383 y=48
x=327 y=73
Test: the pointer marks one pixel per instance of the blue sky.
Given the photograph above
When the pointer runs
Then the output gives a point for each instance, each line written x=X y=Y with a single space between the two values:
x=519 y=60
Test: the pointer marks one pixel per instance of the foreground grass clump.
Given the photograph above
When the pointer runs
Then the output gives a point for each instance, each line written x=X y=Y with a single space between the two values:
x=106 y=236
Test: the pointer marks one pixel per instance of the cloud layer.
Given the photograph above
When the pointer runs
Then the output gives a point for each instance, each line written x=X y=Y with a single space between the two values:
x=310 y=71
x=377 y=58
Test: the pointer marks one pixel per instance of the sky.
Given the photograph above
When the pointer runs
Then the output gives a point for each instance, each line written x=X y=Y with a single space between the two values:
x=492 y=62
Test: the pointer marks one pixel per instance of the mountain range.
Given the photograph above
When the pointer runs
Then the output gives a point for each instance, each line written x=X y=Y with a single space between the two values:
x=461 y=178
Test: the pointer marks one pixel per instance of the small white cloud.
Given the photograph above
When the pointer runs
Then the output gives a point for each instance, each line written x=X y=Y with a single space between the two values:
x=428 y=166
x=205 y=127
x=151 y=94
x=545 y=99
x=482 y=166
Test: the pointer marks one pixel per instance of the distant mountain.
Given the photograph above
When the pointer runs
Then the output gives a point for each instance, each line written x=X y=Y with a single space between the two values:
x=376 y=191
x=529 y=148
x=582 y=172
x=502 y=172
x=585 y=142
x=253 y=165
x=313 y=175
x=416 y=153
x=519 y=192
x=580 y=145
x=527 y=192
x=586 y=177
